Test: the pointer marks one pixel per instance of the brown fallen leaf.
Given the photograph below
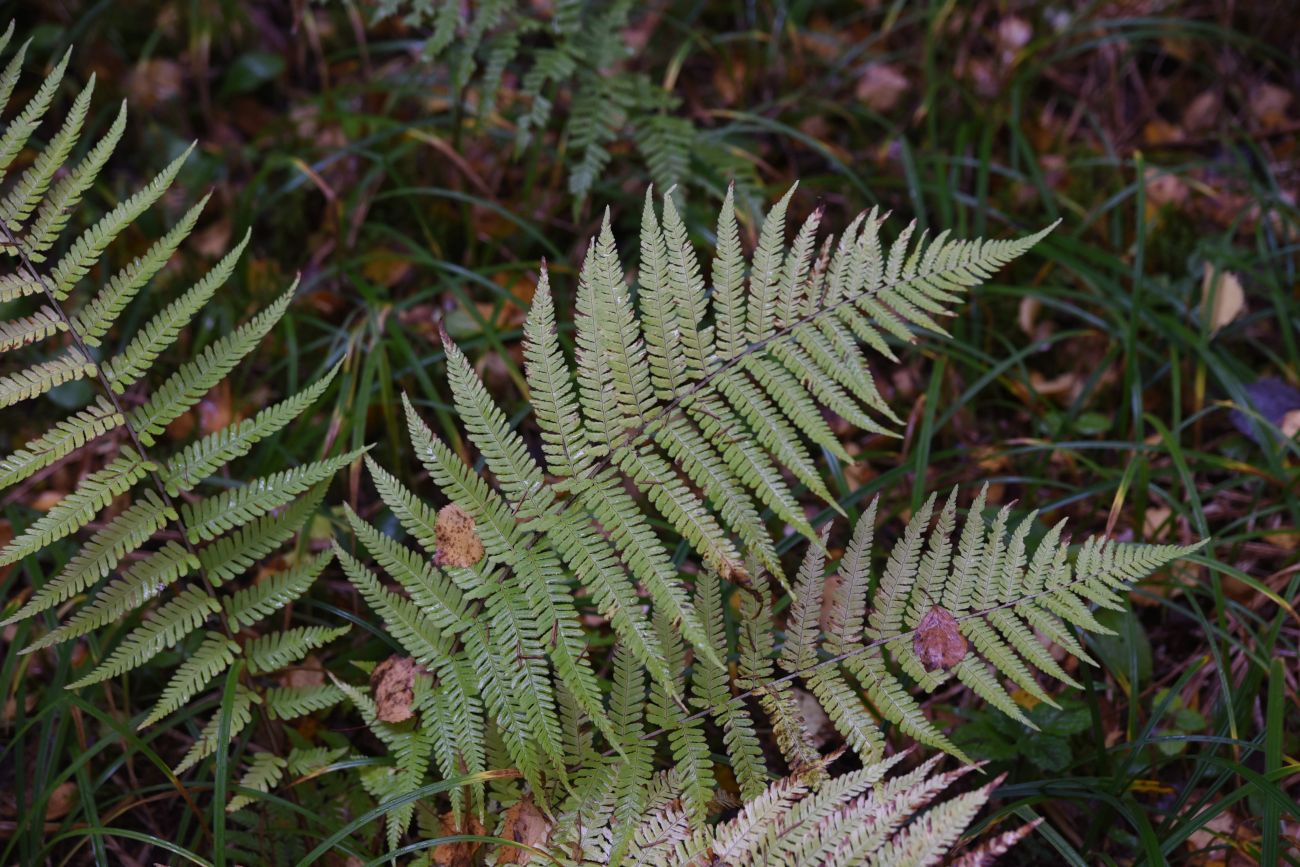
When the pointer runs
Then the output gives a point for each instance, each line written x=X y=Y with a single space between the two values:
x=881 y=86
x=460 y=853
x=526 y=824
x=458 y=541
x=392 y=684
x=938 y=641
x=1269 y=104
x=62 y=800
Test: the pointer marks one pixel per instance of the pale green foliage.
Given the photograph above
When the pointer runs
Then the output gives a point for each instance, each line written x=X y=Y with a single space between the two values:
x=687 y=409
x=77 y=331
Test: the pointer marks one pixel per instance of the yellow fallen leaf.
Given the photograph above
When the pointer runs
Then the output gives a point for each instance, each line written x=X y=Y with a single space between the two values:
x=1291 y=424
x=1028 y=314
x=1223 y=299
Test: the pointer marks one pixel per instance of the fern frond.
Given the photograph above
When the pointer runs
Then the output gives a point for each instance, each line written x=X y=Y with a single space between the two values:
x=275 y=650
x=161 y=332
x=264 y=771
x=201 y=459
x=216 y=515
x=61 y=440
x=291 y=702
x=168 y=625
x=174 y=582
x=40 y=378
x=77 y=509
x=215 y=655
x=241 y=714
x=233 y=554
x=195 y=378
x=249 y=605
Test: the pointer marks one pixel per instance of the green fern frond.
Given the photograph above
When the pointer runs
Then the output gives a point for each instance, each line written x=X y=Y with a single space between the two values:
x=264 y=771
x=214 y=516
x=275 y=650
x=291 y=702
x=215 y=655
x=168 y=625
x=131 y=561
x=251 y=604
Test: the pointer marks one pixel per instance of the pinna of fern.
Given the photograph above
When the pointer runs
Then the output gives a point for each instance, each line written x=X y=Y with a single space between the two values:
x=176 y=546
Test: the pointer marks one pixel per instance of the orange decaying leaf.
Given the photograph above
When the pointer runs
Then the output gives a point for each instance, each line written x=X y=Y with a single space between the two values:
x=458 y=541
x=939 y=642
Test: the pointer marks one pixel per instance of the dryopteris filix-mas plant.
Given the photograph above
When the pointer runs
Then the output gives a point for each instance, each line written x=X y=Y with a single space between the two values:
x=693 y=410
x=178 y=540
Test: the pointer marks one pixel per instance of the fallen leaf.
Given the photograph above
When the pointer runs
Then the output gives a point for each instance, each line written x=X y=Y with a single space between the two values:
x=821 y=731
x=938 y=641
x=155 y=81
x=1291 y=424
x=458 y=541
x=62 y=800
x=47 y=500
x=1222 y=297
x=460 y=853
x=215 y=411
x=1013 y=34
x=1164 y=188
x=392 y=684
x=1202 y=112
x=881 y=86
x=1269 y=104
x=1028 y=314
x=1066 y=386
x=309 y=672
x=1155 y=524
x=526 y=824
x=1161 y=132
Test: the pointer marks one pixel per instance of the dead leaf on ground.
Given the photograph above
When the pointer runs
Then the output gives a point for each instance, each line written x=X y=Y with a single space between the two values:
x=526 y=824
x=1027 y=316
x=1066 y=387
x=1202 y=112
x=1164 y=188
x=458 y=541
x=392 y=684
x=881 y=86
x=62 y=800
x=821 y=731
x=154 y=82
x=309 y=672
x=1269 y=104
x=460 y=853
x=1222 y=297
x=1291 y=424
x=46 y=500
x=1013 y=34
x=938 y=640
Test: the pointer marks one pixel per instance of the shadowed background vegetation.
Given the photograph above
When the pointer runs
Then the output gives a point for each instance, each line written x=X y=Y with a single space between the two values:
x=1137 y=372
